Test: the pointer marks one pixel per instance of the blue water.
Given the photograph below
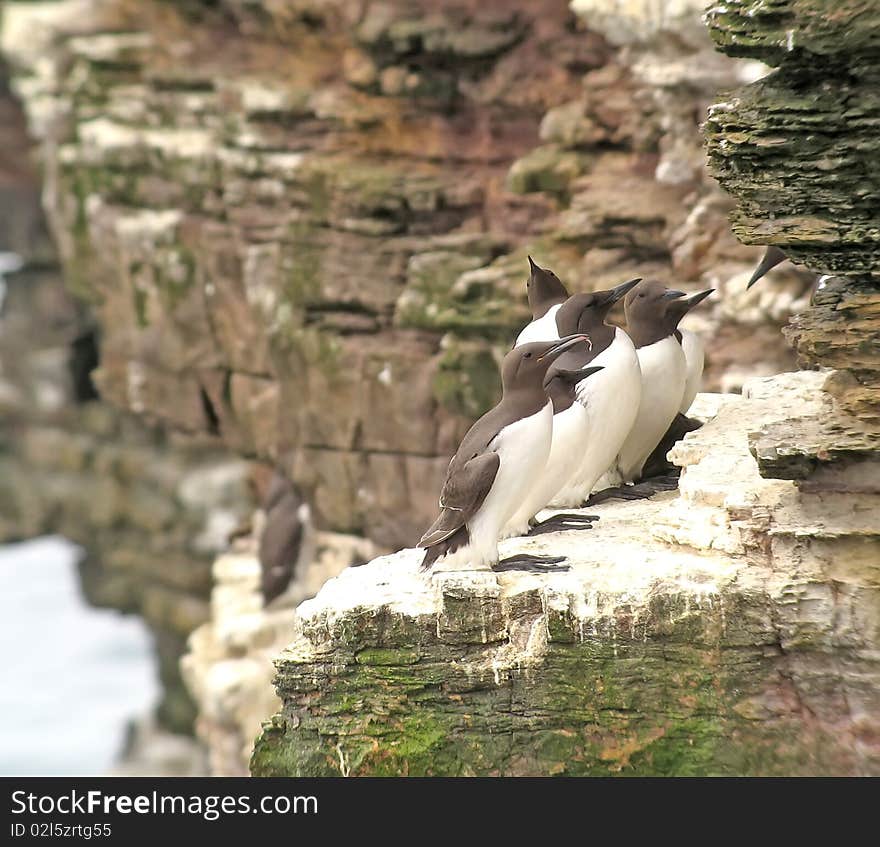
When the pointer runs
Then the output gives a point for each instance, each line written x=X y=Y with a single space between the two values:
x=71 y=676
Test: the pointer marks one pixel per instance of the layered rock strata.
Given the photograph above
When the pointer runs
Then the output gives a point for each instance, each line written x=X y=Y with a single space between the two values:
x=150 y=511
x=304 y=229
x=796 y=150
x=730 y=629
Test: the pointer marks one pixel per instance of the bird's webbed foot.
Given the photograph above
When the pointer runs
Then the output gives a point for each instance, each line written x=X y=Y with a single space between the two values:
x=615 y=492
x=563 y=522
x=640 y=491
x=529 y=562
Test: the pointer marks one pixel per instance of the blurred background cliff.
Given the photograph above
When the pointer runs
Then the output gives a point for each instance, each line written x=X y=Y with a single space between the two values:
x=253 y=243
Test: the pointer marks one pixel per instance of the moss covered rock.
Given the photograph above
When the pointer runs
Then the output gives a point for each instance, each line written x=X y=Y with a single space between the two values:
x=798 y=150
x=729 y=628
x=656 y=662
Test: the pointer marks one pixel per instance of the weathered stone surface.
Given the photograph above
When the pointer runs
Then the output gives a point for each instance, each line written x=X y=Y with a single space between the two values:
x=818 y=435
x=228 y=666
x=149 y=514
x=794 y=150
x=260 y=229
x=731 y=629
x=771 y=29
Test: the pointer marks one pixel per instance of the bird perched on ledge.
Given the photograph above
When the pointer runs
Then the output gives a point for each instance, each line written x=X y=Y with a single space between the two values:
x=692 y=345
x=609 y=402
x=570 y=427
x=546 y=294
x=497 y=463
x=651 y=322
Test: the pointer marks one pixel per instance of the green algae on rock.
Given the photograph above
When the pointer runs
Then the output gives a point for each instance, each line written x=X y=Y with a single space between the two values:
x=679 y=641
x=798 y=151
x=526 y=675
x=236 y=212
x=795 y=147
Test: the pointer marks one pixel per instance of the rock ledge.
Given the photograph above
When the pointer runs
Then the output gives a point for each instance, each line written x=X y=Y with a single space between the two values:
x=727 y=629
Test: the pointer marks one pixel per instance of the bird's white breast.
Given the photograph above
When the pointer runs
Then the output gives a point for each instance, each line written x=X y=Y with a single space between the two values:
x=664 y=372
x=542 y=329
x=523 y=448
x=569 y=433
x=692 y=346
x=610 y=399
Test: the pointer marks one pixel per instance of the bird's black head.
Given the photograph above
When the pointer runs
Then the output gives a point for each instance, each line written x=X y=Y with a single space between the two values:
x=526 y=366
x=586 y=312
x=649 y=300
x=545 y=289
x=646 y=307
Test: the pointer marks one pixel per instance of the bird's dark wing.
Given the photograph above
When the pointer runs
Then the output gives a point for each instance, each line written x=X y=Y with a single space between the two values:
x=463 y=493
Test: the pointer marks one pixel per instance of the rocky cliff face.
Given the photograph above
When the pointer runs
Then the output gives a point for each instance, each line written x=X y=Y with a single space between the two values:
x=228 y=667
x=796 y=150
x=729 y=629
x=304 y=229
x=150 y=512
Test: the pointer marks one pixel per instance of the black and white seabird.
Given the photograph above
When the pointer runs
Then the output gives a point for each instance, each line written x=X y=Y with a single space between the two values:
x=499 y=460
x=657 y=472
x=692 y=345
x=774 y=256
x=546 y=294
x=570 y=429
x=607 y=403
x=663 y=371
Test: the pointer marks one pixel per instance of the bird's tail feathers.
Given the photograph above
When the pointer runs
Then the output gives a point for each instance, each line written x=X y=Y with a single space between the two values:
x=449 y=544
x=448 y=522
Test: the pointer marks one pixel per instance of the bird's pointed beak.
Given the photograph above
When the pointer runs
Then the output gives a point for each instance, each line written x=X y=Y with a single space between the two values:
x=672 y=294
x=695 y=299
x=532 y=266
x=772 y=257
x=564 y=344
x=623 y=289
x=583 y=373
x=612 y=295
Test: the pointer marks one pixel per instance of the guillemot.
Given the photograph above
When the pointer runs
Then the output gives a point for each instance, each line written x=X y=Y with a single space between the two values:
x=663 y=372
x=691 y=344
x=608 y=402
x=546 y=294
x=497 y=463
x=570 y=428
